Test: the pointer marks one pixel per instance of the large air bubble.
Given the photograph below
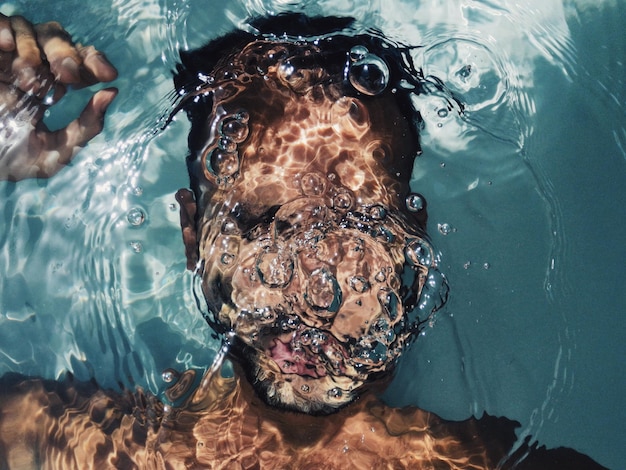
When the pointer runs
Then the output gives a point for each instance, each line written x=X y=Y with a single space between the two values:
x=323 y=292
x=368 y=73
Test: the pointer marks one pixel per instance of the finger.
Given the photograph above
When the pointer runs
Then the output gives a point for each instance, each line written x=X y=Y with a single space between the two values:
x=26 y=42
x=57 y=46
x=90 y=122
x=7 y=41
x=97 y=64
x=28 y=55
x=59 y=147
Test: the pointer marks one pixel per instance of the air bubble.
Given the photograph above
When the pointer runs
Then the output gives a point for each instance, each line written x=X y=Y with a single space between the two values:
x=390 y=302
x=377 y=212
x=335 y=392
x=380 y=276
x=305 y=388
x=275 y=268
x=323 y=292
x=358 y=53
x=136 y=216
x=235 y=130
x=242 y=116
x=418 y=252
x=359 y=284
x=343 y=199
x=369 y=74
x=137 y=247
x=442 y=113
x=313 y=184
x=224 y=164
x=169 y=375
x=227 y=258
x=229 y=227
x=286 y=70
x=265 y=315
x=305 y=337
x=486 y=266
x=415 y=202
x=227 y=145
x=444 y=228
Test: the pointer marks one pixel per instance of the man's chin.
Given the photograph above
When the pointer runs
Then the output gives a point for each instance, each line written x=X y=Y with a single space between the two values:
x=292 y=392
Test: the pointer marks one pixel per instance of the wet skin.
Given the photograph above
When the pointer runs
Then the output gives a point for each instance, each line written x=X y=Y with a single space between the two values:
x=299 y=221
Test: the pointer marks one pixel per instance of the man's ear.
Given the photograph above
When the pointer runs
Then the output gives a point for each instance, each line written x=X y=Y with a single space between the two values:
x=188 y=226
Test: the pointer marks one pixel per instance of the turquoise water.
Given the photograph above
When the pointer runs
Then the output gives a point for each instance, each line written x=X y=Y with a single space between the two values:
x=526 y=192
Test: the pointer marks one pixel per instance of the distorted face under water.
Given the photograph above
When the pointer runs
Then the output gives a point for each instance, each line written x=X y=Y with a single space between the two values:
x=311 y=245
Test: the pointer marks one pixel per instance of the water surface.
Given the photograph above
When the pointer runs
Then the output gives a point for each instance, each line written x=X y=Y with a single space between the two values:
x=526 y=190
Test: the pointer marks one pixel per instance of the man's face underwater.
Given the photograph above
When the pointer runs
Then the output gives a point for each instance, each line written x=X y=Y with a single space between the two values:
x=311 y=245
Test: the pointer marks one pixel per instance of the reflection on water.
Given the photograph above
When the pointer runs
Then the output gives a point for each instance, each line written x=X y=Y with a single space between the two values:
x=523 y=169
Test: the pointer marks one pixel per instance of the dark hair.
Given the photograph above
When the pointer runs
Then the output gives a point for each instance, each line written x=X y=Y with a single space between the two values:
x=333 y=37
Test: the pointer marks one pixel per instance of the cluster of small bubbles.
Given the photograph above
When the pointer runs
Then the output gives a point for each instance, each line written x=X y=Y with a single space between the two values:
x=275 y=268
x=444 y=228
x=306 y=337
x=290 y=322
x=136 y=216
x=418 y=252
x=265 y=315
x=335 y=392
x=368 y=73
x=136 y=246
x=414 y=202
x=137 y=190
x=305 y=388
x=223 y=160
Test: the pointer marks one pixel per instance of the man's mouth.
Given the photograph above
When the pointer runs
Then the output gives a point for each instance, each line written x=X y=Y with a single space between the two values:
x=308 y=352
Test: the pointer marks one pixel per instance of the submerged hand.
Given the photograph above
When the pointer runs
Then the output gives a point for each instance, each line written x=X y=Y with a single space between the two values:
x=37 y=62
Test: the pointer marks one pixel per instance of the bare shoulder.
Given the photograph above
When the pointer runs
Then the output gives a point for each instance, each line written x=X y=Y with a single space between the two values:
x=71 y=424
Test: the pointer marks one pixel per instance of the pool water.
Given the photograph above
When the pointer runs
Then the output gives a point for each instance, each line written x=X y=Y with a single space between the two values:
x=526 y=190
